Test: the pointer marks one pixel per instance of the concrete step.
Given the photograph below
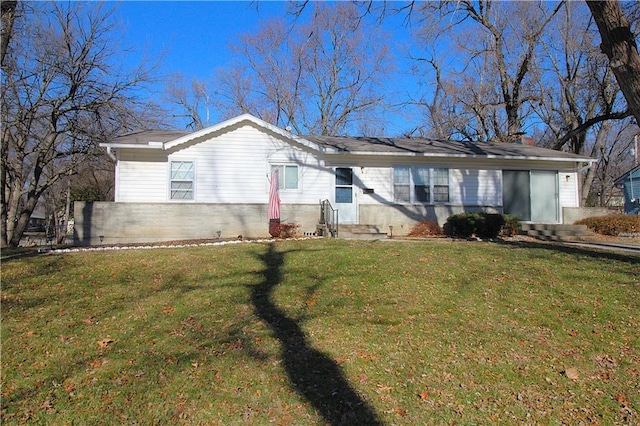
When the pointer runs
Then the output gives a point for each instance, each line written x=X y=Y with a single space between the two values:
x=553 y=227
x=555 y=232
x=361 y=232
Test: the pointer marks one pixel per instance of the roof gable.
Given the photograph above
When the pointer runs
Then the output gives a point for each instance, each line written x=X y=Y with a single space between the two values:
x=165 y=140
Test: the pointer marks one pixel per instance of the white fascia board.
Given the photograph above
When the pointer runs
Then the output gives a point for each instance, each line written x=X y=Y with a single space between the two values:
x=132 y=145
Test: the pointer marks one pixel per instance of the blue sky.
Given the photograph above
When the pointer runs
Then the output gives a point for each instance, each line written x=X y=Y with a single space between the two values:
x=194 y=37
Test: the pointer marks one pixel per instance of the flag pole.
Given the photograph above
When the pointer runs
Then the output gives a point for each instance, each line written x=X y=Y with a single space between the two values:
x=274 y=205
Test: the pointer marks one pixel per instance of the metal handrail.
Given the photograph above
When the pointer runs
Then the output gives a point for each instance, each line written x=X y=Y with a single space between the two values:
x=329 y=217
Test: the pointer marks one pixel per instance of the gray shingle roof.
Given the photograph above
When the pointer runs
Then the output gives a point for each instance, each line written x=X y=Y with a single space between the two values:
x=386 y=146
x=417 y=146
x=143 y=137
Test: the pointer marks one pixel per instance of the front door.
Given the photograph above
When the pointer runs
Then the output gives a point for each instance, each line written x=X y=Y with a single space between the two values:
x=345 y=196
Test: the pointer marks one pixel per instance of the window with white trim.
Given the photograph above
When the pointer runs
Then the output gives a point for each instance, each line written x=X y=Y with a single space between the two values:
x=420 y=185
x=182 y=180
x=287 y=176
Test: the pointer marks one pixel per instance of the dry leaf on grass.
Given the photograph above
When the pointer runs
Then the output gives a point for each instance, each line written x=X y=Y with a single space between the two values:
x=572 y=373
x=103 y=343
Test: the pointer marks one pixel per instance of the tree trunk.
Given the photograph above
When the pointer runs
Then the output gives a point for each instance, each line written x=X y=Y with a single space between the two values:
x=601 y=137
x=8 y=18
x=618 y=43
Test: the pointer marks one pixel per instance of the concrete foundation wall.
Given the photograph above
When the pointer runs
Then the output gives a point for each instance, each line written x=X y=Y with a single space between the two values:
x=403 y=217
x=571 y=215
x=120 y=223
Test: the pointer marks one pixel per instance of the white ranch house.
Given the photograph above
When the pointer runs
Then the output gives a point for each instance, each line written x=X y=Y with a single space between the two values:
x=214 y=182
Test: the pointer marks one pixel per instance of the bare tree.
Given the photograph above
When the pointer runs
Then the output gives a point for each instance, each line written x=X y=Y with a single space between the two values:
x=579 y=94
x=497 y=43
x=62 y=93
x=317 y=77
x=193 y=98
x=614 y=145
x=619 y=44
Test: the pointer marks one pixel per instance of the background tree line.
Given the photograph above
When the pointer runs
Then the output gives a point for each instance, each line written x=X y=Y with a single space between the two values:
x=485 y=71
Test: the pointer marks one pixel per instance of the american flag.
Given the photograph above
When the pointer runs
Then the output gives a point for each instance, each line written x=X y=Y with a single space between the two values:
x=274 y=198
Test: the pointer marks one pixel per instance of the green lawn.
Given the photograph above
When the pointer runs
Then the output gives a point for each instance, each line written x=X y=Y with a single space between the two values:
x=322 y=332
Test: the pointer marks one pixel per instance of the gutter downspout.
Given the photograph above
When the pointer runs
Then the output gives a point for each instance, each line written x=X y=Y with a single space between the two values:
x=110 y=153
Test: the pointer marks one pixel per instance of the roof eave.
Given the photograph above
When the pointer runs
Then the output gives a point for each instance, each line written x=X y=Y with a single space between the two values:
x=131 y=145
x=620 y=181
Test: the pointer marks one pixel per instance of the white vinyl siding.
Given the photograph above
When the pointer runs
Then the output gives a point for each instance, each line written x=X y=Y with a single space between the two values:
x=231 y=167
x=234 y=167
x=142 y=177
x=473 y=187
x=568 y=189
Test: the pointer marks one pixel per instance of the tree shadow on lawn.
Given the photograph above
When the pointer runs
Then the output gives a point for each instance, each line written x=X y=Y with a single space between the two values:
x=314 y=375
x=591 y=251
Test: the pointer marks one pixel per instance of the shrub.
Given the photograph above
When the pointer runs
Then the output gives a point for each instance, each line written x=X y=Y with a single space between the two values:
x=491 y=226
x=465 y=225
x=282 y=230
x=614 y=224
x=288 y=230
x=427 y=228
x=511 y=225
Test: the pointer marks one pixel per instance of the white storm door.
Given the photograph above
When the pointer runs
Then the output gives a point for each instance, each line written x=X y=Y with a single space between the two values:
x=345 y=196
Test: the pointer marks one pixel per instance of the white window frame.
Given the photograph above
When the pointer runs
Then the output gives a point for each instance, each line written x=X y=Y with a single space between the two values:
x=192 y=180
x=282 y=176
x=413 y=183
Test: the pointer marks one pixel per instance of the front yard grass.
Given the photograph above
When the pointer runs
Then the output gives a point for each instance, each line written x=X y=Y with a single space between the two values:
x=322 y=332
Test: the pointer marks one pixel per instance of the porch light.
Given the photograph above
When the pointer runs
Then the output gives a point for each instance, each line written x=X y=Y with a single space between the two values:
x=390 y=231
x=219 y=233
x=101 y=238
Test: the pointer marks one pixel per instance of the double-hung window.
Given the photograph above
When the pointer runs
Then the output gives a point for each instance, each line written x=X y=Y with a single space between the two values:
x=440 y=185
x=182 y=180
x=402 y=184
x=287 y=176
x=420 y=185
